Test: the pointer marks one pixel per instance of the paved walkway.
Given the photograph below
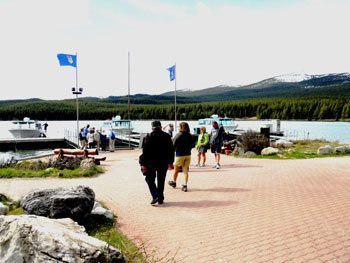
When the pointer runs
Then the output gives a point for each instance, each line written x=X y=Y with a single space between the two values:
x=248 y=211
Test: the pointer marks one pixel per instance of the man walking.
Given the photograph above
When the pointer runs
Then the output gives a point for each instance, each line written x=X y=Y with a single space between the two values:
x=157 y=155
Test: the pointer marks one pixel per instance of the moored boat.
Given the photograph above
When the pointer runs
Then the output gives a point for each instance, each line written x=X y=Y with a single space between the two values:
x=118 y=125
x=27 y=128
x=226 y=122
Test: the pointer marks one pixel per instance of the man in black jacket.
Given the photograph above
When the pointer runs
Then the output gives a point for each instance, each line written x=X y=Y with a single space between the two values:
x=157 y=156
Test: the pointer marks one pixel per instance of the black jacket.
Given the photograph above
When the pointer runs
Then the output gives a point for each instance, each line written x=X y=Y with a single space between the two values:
x=183 y=143
x=157 y=150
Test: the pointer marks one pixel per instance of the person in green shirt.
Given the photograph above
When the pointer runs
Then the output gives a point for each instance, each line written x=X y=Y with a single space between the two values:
x=202 y=147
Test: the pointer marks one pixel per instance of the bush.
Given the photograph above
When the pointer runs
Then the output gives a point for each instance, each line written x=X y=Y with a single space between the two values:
x=254 y=141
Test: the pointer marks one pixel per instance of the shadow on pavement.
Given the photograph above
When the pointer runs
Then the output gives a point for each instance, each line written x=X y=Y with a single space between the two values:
x=223 y=167
x=219 y=190
x=200 y=204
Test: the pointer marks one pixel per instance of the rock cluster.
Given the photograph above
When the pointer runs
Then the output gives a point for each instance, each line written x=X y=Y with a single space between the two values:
x=29 y=238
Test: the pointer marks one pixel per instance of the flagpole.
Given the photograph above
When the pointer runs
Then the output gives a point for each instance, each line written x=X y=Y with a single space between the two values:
x=175 y=99
x=77 y=89
x=129 y=94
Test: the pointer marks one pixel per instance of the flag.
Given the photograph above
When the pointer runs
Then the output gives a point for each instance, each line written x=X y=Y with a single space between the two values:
x=67 y=60
x=172 y=72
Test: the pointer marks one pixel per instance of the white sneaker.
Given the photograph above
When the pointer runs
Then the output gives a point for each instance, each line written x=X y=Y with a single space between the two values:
x=202 y=165
x=217 y=166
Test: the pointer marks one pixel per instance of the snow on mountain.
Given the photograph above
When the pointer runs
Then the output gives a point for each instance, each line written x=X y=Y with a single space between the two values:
x=294 y=77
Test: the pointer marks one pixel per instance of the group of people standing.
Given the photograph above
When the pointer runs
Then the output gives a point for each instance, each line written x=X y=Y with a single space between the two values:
x=158 y=150
x=99 y=139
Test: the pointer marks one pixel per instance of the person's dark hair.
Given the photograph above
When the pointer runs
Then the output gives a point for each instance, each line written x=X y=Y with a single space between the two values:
x=184 y=127
x=156 y=125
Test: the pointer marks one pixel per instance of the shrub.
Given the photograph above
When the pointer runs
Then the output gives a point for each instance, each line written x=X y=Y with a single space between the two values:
x=254 y=141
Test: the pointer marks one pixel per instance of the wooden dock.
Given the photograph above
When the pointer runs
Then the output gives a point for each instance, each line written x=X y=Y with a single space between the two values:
x=35 y=144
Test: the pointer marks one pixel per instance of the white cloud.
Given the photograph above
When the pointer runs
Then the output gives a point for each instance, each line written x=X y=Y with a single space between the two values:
x=211 y=46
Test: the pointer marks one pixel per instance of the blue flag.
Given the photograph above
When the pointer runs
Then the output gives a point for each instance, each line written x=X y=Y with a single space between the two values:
x=172 y=71
x=67 y=60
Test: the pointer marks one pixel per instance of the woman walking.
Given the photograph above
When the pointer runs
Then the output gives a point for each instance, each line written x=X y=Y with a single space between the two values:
x=183 y=143
x=202 y=146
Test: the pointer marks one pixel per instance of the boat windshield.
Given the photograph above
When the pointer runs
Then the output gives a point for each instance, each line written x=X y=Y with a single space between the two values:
x=205 y=122
x=226 y=121
x=124 y=124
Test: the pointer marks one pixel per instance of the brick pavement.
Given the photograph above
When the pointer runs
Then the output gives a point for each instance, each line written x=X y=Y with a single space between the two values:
x=248 y=211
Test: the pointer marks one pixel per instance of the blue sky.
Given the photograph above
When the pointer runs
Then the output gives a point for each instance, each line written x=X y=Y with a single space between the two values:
x=212 y=42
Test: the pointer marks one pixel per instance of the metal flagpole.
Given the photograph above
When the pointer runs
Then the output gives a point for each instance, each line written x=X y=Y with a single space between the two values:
x=175 y=97
x=77 y=89
x=129 y=94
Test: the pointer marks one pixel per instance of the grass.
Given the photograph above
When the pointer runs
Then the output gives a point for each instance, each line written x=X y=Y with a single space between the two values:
x=106 y=229
x=27 y=172
x=304 y=149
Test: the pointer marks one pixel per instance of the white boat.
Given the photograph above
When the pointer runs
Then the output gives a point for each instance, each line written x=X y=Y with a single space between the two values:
x=226 y=122
x=119 y=126
x=27 y=129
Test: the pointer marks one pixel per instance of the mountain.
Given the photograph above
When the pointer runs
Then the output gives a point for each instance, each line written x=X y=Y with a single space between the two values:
x=292 y=85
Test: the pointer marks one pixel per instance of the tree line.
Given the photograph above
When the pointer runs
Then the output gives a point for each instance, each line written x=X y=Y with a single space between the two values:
x=312 y=108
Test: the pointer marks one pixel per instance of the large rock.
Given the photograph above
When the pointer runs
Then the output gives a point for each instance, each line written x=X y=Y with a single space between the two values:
x=325 y=150
x=29 y=238
x=283 y=143
x=75 y=203
x=342 y=149
x=269 y=151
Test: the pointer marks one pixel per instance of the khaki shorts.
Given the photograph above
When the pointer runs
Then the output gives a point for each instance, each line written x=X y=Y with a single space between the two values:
x=183 y=161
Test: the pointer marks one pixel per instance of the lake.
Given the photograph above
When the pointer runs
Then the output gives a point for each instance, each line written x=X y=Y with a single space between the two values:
x=331 y=131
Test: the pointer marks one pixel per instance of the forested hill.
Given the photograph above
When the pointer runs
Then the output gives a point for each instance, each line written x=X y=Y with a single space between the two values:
x=285 y=97
x=308 y=108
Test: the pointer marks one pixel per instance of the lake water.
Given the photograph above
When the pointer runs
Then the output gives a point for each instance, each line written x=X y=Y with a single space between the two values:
x=332 y=131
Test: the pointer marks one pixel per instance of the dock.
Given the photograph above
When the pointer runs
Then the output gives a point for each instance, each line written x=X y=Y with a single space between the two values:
x=13 y=144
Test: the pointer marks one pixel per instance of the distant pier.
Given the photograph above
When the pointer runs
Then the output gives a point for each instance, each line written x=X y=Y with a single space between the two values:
x=35 y=144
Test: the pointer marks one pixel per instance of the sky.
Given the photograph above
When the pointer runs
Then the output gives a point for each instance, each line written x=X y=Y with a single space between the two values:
x=219 y=42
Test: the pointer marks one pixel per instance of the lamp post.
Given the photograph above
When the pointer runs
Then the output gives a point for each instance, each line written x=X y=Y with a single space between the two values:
x=77 y=91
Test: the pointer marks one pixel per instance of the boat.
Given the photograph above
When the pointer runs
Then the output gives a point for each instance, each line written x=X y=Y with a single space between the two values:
x=27 y=128
x=226 y=122
x=118 y=125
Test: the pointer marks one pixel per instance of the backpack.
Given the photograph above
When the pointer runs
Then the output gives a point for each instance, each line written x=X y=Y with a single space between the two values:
x=112 y=136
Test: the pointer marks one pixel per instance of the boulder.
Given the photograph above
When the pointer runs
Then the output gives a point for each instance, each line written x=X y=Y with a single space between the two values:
x=342 y=149
x=75 y=203
x=283 y=143
x=4 y=209
x=269 y=151
x=101 y=211
x=249 y=154
x=325 y=150
x=29 y=238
